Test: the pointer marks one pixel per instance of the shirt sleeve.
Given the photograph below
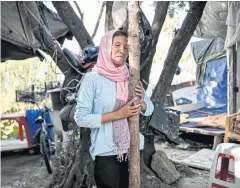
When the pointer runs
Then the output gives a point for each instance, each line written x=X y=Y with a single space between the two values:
x=150 y=106
x=83 y=115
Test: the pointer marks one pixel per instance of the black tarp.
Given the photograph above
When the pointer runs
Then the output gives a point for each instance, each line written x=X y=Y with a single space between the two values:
x=17 y=39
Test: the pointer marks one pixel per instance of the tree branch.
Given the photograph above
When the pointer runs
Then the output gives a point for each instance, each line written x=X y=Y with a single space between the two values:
x=79 y=10
x=98 y=20
x=108 y=18
x=74 y=24
x=176 y=50
x=158 y=21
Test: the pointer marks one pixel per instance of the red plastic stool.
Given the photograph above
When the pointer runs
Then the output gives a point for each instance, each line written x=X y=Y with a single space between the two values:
x=225 y=171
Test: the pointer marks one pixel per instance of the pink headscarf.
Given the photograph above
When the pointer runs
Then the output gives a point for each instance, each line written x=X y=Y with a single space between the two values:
x=105 y=67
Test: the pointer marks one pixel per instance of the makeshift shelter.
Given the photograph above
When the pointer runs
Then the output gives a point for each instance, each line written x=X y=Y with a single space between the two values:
x=222 y=20
x=218 y=67
x=211 y=78
x=17 y=38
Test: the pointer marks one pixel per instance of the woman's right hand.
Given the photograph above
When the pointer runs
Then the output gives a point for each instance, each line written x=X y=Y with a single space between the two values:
x=128 y=109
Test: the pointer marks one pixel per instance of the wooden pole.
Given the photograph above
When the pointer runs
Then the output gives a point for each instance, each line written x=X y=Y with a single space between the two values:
x=134 y=66
x=232 y=80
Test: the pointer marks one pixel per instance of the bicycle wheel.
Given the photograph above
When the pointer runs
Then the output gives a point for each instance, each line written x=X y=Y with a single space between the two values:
x=46 y=153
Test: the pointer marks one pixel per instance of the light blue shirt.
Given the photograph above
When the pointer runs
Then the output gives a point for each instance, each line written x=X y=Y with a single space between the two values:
x=96 y=96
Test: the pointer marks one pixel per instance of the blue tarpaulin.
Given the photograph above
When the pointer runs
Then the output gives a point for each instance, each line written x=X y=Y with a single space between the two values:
x=31 y=116
x=213 y=92
x=211 y=73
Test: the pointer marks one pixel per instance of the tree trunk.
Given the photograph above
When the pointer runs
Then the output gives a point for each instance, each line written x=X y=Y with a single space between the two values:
x=42 y=33
x=158 y=21
x=108 y=17
x=73 y=23
x=134 y=67
x=98 y=20
x=176 y=50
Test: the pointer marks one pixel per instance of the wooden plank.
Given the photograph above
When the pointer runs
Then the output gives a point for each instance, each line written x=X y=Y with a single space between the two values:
x=234 y=136
x=238 y=77
x=217 y=140
x=231 y=58
x=8 y=145
x=201 y=131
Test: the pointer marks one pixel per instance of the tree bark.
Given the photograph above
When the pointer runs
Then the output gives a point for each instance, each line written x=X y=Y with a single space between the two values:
x=74 y=24
x=32 y=17
x=98 y=20
x=134 y=68
x=176 y=50
x=108 y=17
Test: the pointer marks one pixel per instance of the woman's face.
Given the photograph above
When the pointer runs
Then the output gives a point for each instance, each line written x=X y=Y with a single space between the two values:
x=119 y=50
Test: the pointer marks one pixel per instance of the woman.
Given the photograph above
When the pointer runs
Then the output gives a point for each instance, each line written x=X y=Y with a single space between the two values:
x=103 y=106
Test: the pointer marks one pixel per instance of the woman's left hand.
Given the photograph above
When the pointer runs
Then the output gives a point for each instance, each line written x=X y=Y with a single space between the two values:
x=140 y=92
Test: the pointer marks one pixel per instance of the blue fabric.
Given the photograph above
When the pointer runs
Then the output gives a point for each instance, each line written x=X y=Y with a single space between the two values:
x=213 y=92
x=31 y=116
x=96 y=96
x=214 y=111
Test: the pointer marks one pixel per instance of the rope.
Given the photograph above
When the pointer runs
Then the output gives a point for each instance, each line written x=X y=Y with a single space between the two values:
x=55 y=43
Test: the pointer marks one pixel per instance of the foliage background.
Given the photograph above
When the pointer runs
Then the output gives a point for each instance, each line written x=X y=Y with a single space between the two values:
x=20 y=75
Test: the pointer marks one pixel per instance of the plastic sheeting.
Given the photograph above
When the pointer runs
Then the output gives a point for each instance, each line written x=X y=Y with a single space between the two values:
x=213 y=92
x=205 y=51
x=119 y=13
x=213 y=21
x=18 y=40
x=211 y=76
x=31 y=116
x=233 y=24
x=220 y=19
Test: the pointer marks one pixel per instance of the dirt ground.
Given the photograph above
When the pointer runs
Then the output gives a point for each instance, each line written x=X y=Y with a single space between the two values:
x=190 y=177
x=22 y=170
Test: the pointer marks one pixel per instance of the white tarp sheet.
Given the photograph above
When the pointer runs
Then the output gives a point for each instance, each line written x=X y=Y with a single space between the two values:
x=233 y=24
x=213 y=21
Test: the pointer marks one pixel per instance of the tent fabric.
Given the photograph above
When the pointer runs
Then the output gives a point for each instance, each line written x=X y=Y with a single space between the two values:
x=10 y=51
x=57 y=27
x=205 y=51
x=233 y=24
x=13 y=29
x=16 y=31
x=213 y=21
x=220 y=19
